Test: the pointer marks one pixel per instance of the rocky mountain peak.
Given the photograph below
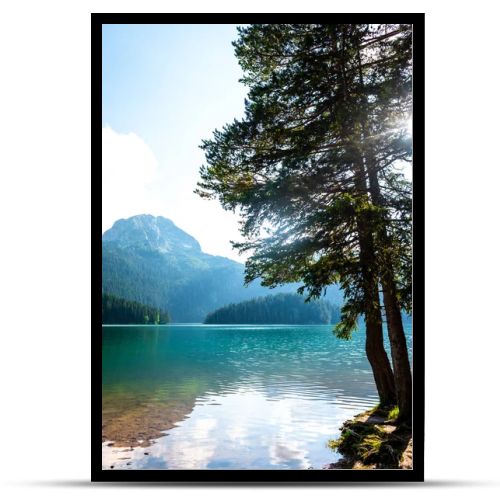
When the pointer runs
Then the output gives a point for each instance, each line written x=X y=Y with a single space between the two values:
x=150 y=232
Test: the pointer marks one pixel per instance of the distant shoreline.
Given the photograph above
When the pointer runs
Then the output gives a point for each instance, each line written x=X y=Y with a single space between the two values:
x=210 y=325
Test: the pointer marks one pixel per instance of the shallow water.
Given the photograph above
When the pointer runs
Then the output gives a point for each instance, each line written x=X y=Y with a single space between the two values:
x=229 y=396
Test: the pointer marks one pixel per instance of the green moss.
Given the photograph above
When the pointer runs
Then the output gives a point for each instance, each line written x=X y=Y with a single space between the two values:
x=368 y=441
x=370 y=446
x=393 y=413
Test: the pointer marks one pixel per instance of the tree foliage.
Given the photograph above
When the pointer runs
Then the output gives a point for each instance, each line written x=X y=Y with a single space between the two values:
x=322 y=101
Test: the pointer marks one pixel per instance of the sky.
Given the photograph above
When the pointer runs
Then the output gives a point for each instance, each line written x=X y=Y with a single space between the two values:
x=165 y=88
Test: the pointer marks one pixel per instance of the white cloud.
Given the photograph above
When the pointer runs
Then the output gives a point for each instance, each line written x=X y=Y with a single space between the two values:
x=135 y=182
x=129 y=168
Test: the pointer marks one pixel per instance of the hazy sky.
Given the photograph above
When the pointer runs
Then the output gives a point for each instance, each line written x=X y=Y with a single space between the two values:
x=165 y=88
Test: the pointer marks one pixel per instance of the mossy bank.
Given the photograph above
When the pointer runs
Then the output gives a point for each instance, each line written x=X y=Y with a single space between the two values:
x=374 y=440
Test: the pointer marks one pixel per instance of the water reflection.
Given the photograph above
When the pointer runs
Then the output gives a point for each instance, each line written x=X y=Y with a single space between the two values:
x=228 y=397
x=244 y=430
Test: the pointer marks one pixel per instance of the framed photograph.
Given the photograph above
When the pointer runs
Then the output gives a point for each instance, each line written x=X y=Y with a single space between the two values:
x=258 y=279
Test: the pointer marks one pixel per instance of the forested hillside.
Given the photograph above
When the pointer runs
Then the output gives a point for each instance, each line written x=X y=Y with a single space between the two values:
x=276 y=309
x=118 y=311
x=150 y=260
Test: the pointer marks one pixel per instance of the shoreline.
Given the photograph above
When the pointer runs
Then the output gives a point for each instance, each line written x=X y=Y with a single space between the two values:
x=139 y=426
x=374 y=439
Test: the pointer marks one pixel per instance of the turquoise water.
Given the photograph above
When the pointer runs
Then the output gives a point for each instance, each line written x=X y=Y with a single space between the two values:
x=231 y=396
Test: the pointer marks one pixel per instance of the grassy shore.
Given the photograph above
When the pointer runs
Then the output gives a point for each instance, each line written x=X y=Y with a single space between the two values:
x=374 y=440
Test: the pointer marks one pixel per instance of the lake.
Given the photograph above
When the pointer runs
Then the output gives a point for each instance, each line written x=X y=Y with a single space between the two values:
x=192 y=396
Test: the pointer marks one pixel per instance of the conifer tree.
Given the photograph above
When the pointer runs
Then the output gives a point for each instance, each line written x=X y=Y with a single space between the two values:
x=319 y=137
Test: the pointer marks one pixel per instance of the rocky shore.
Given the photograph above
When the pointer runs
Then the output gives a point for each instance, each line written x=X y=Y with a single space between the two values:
x=139 y=425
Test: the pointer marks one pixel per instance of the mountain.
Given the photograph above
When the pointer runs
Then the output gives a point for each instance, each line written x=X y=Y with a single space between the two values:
x=150 y=260
x=147 y=232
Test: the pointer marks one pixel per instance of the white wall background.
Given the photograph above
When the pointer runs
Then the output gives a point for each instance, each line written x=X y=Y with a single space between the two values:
x=45 y=250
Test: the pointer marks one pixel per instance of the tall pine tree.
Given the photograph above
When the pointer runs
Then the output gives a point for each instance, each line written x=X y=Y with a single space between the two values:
x=311 y=170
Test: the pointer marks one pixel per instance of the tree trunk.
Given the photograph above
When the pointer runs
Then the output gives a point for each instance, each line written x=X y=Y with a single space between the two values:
x=397 y=338
x=399 y=351
x=375 y=351
x=382 y=373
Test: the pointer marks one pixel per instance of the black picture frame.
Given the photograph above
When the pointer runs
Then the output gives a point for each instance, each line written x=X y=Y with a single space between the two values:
x=256 y=477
